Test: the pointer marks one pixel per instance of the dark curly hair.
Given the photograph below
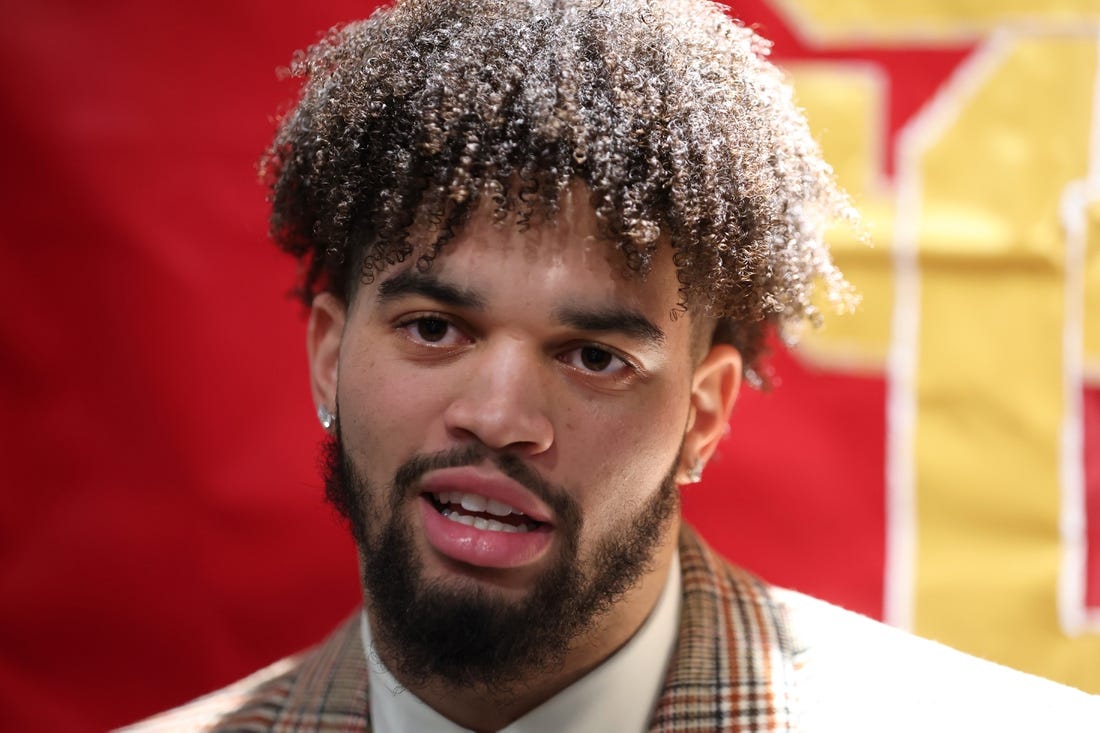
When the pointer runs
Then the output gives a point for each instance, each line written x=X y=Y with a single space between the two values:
x=667 y=110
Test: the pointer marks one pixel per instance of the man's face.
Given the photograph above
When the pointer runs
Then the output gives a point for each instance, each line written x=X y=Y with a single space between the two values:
x=510 y=431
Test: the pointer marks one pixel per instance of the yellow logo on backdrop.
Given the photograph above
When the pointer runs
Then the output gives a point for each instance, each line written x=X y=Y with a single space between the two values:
x=981 y=306
x=842 y=21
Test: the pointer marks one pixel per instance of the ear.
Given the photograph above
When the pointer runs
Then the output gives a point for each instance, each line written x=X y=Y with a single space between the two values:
x=323 y=338
x=714 y=389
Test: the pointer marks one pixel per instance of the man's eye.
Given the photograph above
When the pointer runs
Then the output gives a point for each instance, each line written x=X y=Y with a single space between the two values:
x=432 y=330
x=594 y=359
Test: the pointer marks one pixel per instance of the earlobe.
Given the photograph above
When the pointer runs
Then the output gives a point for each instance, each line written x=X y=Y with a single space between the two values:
x=714 y=389
x=323 y=339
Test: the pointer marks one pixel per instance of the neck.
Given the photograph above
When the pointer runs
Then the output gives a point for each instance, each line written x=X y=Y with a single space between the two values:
x=479 y=708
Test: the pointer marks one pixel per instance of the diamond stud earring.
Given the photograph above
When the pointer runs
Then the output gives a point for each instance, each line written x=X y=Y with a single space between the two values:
x=326 y=418
x=696 y=472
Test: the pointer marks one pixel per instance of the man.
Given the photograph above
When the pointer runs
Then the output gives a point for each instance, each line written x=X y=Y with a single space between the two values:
x=541 y=242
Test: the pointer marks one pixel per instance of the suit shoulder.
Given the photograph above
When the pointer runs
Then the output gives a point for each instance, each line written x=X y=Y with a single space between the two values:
x=321 y=689
x=864 y=675
x=250 y=704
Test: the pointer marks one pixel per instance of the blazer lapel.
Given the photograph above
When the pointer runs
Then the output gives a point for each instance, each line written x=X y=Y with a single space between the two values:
x=330 y=692
x=733 y=668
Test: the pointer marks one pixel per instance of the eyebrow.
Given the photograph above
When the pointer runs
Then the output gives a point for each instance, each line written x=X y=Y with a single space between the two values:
x=411 y=282
x=611 y=319
x=615 y=319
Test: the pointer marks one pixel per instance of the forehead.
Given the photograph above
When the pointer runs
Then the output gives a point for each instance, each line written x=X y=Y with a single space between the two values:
x=565 y=259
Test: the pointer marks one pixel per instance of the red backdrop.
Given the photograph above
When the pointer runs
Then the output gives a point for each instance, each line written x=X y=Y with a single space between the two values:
x=163 y=531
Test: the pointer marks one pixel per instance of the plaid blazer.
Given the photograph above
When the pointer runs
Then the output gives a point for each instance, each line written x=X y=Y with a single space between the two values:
x=749 y=658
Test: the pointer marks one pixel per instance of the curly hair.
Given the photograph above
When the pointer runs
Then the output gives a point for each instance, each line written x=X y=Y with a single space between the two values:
x=667 y=110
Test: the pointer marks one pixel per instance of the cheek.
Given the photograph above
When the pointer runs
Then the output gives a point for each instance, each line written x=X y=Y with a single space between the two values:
x=387 y=411
x=624 y=453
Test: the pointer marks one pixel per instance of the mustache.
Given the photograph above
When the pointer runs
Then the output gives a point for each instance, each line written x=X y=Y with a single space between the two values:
x=556 y=497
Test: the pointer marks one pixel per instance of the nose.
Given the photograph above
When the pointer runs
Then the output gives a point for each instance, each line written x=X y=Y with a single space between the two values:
x=502 y=402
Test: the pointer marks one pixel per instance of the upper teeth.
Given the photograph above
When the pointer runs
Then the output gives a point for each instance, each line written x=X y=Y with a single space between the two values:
x=476 y=503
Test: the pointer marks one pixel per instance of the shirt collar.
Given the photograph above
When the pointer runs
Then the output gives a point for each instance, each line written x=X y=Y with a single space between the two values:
x=607 y=698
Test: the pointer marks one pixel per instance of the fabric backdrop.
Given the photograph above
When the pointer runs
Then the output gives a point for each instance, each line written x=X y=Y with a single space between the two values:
x=933 y=460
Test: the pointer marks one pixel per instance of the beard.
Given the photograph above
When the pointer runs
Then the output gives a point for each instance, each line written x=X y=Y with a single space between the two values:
x=472 y=636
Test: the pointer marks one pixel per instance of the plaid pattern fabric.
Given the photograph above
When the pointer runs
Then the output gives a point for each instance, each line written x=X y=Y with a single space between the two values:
x=733 y=669
x=734 y=663
x=323 y=690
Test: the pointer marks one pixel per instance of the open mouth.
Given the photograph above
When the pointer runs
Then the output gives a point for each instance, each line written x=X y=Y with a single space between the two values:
x=481 y=513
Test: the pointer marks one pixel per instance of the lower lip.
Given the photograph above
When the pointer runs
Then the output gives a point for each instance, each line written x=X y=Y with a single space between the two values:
x=482 y=547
